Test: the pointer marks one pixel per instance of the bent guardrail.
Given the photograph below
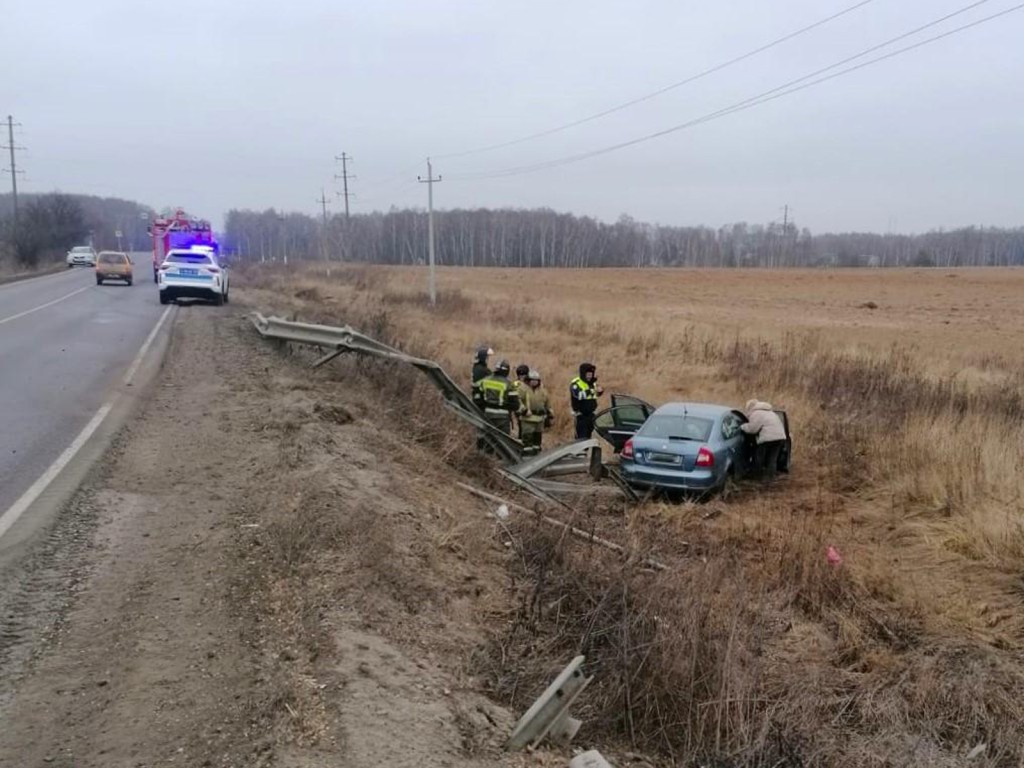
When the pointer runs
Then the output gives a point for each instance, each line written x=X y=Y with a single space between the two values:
x=339 y=340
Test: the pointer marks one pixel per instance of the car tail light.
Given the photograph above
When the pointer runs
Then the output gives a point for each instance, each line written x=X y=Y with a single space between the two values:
x=705 y=458
x=214 y=270
x=627 y=449
x=164 y=267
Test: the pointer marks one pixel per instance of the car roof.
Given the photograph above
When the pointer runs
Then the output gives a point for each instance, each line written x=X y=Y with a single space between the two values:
x=702 y=410
x=113 y=253
x=190 y=252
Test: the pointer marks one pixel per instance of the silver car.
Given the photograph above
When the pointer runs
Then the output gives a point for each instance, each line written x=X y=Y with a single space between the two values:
x=81 y=256
x=692 y=447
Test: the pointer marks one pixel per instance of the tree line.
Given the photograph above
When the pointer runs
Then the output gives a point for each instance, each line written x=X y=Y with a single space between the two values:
x=49 y=224
x=545 y=238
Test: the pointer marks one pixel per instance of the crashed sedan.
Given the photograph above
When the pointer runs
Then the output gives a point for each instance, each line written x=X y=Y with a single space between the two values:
x=687 y=447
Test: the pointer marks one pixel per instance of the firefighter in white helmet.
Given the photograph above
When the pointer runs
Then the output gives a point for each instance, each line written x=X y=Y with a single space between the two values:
x=535 y=413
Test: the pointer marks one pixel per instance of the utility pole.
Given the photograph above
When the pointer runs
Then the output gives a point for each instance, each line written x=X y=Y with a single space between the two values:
x=323 y=202
x=323 y=235
x=344 y=178
x=785 y=235
x=429 y=181
x=14 y=172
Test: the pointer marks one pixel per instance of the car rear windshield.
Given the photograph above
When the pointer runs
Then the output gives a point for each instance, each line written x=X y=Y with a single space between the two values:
x=677 y=427
x=189 y=258
x=113 y=258
x=81 y=249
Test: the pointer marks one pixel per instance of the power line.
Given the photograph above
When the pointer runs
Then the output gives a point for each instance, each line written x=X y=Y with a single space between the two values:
x=664 y=90
x=787 y=89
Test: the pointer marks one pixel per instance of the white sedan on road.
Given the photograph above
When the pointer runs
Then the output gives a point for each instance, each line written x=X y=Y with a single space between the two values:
x=81 y=256
x=193 y=273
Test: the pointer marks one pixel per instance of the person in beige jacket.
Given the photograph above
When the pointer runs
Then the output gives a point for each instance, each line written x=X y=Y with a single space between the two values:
x=767 y=426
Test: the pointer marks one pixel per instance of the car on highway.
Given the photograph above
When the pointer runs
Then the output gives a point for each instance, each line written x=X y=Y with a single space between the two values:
x=681 y=447
x=81 y=256
x=193 y=273
x=113 y=265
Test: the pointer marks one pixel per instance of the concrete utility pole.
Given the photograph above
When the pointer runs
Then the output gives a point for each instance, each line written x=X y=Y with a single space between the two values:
x=323 y=202
x=429 y=181
x=14 y=173
x=344 y=178
x=323 y=235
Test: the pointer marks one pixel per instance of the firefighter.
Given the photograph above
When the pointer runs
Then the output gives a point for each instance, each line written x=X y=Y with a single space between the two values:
x=522 y=371
x=583 y=394
x=535 y=414
x=501 y=399
x=481 y=370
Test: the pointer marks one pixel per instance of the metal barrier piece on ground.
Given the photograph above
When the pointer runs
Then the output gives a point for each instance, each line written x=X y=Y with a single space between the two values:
x=549 y=716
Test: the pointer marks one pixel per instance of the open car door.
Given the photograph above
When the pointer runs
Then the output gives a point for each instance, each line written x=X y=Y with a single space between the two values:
x=620 y=422
x=786 y=454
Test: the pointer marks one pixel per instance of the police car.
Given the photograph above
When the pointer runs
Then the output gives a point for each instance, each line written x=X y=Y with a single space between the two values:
x=193 y=273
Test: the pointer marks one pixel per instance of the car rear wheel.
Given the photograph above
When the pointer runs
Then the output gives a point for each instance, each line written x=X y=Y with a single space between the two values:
x=128 y=281
x=99 y=281
x=218 y=299
x=164 y=298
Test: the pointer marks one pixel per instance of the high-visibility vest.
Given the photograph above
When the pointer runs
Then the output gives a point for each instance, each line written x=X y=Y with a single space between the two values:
x=587 y=391
x=495 y=392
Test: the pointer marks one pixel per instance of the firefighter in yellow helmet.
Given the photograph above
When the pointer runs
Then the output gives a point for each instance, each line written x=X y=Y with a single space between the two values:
x=534 y=413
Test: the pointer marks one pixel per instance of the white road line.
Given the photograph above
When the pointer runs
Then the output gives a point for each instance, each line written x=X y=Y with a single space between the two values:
x=17 y=509
x=43 y=306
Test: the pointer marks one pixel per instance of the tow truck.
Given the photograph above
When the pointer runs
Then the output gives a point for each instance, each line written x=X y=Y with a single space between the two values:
x=179 y=231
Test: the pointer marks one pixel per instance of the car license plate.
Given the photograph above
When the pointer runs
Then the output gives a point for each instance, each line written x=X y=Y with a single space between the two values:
x=664 y=458
x=189 y=272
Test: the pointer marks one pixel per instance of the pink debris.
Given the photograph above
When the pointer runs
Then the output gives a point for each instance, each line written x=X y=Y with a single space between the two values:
x=833 y=556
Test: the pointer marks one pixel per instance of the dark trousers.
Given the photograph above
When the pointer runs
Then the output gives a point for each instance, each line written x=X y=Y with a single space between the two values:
x=532 y=434
x=584 y=426
x=766 y=458
x=502 y=420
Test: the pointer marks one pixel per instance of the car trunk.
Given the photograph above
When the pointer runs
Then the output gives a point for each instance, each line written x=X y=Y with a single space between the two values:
x=667 y=454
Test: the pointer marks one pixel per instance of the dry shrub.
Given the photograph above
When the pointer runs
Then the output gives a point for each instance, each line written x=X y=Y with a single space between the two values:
x=719 y=661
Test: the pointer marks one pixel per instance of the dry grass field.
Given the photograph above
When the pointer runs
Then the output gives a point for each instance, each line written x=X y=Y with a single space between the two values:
x=906 y=393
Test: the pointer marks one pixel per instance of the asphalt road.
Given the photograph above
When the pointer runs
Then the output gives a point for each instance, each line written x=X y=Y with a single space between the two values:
x=64 y=344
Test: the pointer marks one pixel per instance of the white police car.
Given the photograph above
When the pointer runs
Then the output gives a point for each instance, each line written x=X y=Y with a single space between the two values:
x=193 y=273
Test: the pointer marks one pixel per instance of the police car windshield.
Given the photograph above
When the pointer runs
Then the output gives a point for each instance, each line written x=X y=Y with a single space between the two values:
x=189 y=258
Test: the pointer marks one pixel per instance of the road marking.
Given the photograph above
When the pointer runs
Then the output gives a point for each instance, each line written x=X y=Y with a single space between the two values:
x=10 y=517
x=43 y=306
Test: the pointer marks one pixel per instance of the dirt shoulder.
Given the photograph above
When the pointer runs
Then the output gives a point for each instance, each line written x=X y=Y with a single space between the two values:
x=258 y=574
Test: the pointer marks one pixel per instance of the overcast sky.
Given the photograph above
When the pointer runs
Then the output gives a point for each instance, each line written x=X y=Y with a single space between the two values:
x=244 y=103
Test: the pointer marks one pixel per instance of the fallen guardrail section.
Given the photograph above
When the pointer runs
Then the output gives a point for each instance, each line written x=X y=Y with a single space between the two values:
x=534 y=475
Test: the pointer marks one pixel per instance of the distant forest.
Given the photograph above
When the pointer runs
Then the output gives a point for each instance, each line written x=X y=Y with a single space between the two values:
x=49 y=224
x=545 y=238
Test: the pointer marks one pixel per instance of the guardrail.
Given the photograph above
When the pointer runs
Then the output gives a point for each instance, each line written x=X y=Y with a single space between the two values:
x=339 y=340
